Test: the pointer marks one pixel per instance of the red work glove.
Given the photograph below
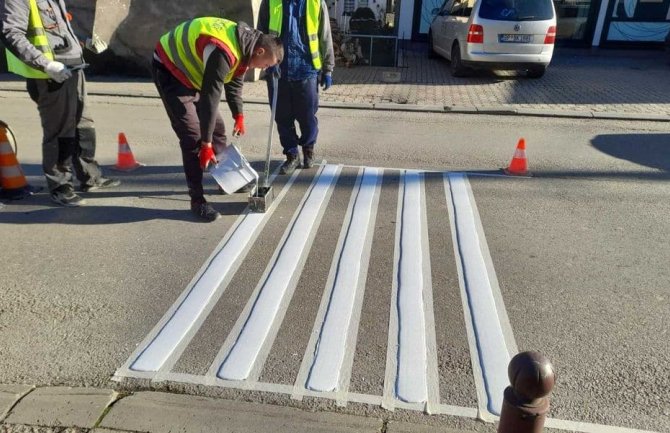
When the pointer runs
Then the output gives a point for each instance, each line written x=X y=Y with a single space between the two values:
x=207 y=155
x=239 y=128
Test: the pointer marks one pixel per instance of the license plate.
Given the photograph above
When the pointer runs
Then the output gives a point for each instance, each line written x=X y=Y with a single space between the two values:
x=518 y=39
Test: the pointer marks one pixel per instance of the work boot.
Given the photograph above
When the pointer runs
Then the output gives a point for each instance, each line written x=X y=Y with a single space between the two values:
x=100 y=183
x=288 y=167
x=308 y=158
x=204 y=211
x=65 y=196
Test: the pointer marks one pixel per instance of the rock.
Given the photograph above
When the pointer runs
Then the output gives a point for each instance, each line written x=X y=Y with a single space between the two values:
x=132 y=27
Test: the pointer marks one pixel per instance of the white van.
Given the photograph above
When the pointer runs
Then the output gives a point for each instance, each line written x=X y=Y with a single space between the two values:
x=495 y=34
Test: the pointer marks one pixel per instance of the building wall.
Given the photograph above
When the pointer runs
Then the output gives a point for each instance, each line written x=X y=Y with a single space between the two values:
x=628 y=21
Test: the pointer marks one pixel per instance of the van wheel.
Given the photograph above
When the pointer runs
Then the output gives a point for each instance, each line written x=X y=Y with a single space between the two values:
x=431 y=48
x=536 y=72
x=457 y=68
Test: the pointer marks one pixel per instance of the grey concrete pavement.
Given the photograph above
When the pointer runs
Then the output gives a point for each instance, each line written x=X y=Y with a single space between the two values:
x=578 y=250
x=67 y=410
x=579 y=83
x=61 y=406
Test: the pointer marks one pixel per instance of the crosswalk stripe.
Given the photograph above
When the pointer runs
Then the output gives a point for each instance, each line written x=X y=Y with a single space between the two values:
x=167 y=341
x=258 y=326
x=331 y=348
x=488 y=346
x=408 y=364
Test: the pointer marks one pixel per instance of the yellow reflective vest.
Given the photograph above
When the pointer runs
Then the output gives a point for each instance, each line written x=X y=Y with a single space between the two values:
x=312 y=17
x=183 y=46
x=38 y=37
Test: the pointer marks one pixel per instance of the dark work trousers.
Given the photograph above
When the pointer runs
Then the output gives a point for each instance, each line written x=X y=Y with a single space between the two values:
x=69 y=132
x=181 y=104
x=297 y=101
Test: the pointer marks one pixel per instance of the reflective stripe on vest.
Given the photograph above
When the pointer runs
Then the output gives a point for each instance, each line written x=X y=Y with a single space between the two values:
x=38 y=37
x=180 y=45
x=312 y=25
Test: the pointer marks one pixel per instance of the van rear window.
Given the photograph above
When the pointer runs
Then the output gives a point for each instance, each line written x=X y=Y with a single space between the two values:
x=516 y=10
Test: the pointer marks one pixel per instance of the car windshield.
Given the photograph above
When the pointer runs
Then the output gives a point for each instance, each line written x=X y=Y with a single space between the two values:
x=516 y=10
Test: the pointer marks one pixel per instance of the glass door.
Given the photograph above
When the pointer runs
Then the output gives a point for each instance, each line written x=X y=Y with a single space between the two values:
x=575 y=20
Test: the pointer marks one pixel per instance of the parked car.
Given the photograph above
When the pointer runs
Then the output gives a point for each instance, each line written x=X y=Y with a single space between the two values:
x=495 y=34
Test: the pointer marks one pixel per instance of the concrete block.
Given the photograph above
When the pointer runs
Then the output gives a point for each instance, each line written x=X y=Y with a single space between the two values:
x=61 y=406
x=154 y=411
x=630 y=116
x=347 y=105
x=498 y=110
x=555 y=113
x=9 y=394
x=410 y=107
x=460 y=109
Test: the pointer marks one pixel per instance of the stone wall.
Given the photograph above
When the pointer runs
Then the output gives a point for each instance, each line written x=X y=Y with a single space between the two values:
x=132 y=27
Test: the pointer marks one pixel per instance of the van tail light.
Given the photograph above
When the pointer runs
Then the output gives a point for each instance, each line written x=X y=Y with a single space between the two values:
x=551 y=36
x=476 y=34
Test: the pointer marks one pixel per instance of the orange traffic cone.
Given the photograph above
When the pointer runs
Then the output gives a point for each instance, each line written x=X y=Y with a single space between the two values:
x=126 y=159
x=519 y=164
x=12 y=180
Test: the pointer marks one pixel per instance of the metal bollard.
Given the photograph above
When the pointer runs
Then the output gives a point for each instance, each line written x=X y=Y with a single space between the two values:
x=526 y=404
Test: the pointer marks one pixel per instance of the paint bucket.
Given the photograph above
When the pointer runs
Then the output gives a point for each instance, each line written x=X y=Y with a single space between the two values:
x=233 y=170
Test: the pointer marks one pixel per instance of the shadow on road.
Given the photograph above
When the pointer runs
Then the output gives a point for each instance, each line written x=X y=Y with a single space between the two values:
x=649 y=150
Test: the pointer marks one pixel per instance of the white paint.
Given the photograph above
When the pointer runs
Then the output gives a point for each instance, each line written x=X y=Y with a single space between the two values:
x=277 y=288
x=411 y=385
x=490 y=347
x=505 y=324
x=346 y=286
x=166 y=342
x=432 y=371
x=600 y=23
x=482 y=412
x=389 y=396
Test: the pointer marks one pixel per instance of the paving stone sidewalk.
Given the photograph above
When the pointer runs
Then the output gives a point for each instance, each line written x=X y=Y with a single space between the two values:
x=580 y=83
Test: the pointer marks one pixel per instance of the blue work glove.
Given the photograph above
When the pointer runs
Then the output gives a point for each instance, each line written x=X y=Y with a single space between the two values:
x=326 y=80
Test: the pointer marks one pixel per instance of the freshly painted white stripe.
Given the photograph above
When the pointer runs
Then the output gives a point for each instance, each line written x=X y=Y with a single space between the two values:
x=505 y=324
x=277 y=388
x=389 y=396
x=432 y=371
x=231 y=339
x=167 y=341
x=478 y=376
x=490 y=346
x=586 y=427
x=463 y=412
x=277 y=288
x=412 y=386
x=346 y=286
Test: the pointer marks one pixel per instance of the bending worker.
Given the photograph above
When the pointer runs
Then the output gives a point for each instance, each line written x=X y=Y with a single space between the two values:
x=304 y=28
x=42 y=47
x=192 y=65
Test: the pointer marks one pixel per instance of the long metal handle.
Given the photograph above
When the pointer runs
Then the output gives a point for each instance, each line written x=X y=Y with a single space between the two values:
x=275 y=90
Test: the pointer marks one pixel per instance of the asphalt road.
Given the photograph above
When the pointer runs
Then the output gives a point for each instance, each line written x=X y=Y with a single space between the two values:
x=580 y=253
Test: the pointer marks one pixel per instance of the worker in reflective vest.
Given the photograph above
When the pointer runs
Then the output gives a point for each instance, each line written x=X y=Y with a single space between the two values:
x=193 y=64
x=42 y=47
x=304 y=28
